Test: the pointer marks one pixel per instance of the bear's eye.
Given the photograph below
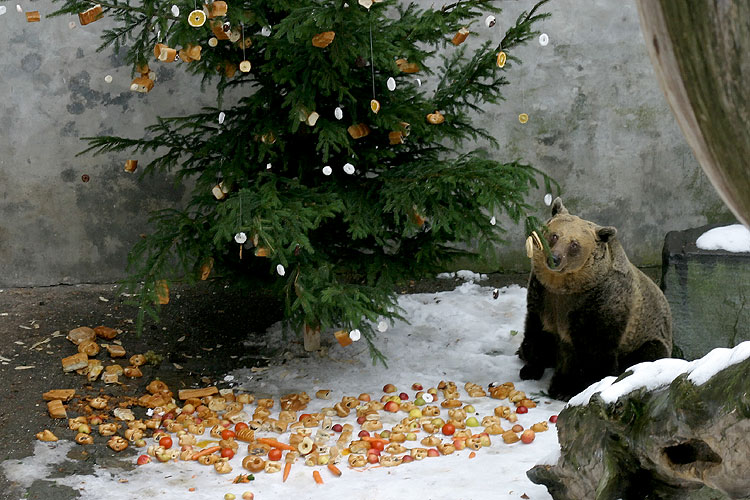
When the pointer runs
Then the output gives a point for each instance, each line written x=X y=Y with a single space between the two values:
x=552 y=240
x=573 y=248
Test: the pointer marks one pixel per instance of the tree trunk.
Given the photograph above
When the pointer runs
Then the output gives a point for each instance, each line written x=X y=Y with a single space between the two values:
x=700 y=50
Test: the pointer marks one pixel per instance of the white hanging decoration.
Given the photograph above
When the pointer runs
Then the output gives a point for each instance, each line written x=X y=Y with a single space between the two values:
x=382 y=326
x=19 y=9
x=265 y=31
x=108 y=78
x=548 y=199
x=493 y=220
x=490 y=21
x=222 y=115
x=338 y=113
x=391 y=84
x=355 y=335
x=175 y=11
x=427 y=397
x=419 y=82
x=543 y=39
x=268 y=166
x=240 y=238
x=280 y=269
x=349 y=168
x=327 y=170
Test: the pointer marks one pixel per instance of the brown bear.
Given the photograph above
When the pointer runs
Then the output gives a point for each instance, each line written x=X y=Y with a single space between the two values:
x=590 y=313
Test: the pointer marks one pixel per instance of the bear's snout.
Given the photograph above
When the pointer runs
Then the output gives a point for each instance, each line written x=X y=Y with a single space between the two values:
x=556 y=259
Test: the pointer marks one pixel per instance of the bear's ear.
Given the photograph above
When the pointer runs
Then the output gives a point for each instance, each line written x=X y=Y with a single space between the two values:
x=558 y=207
x=605 y=233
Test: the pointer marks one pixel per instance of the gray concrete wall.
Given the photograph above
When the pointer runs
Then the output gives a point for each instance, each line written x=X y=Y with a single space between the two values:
x=598 y=123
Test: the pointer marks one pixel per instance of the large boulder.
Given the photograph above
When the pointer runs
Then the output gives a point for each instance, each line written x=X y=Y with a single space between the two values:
x=669 y=429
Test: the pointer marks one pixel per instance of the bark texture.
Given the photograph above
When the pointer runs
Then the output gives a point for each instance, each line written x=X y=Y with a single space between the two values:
x=700 y=51
x=683 y=442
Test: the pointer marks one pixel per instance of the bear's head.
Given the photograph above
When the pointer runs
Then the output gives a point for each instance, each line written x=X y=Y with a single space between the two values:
x=579 y=250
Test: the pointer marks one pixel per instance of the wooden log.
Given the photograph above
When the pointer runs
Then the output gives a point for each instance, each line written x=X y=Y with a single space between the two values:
x=699 y=49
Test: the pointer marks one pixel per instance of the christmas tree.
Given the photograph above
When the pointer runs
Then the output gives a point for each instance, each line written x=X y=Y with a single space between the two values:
x=336 y=173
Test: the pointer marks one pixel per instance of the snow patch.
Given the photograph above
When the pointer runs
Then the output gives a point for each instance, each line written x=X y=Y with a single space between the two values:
x=734 y=238
x=655 y=374
x=470 y=276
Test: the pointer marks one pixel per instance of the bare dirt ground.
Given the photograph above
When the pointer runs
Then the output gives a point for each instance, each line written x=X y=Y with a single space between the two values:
x=194 y=343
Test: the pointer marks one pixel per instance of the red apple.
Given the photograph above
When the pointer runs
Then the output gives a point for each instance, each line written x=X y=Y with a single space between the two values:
x=527 y=436
x=553 y=419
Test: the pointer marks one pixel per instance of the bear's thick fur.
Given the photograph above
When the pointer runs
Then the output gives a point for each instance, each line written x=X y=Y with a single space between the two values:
x=593 y=313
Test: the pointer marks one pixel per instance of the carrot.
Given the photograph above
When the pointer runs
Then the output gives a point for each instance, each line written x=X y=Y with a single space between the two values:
x=287 y=468
x=274 y=443
x=316 y=476
x=472 y=454
x=336 y=471
x=372 y=439
x=207 y=451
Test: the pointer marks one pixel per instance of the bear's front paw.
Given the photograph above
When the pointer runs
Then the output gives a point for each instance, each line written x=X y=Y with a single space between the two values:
x=531 y=372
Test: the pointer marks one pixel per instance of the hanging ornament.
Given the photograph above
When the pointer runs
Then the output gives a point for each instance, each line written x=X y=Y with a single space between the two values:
x=175 y=11
x=382 y=326
x=543 y=39
x=217 y=9
x=87 y=16
x=327 y=170
x=355 y=335
x=548 y=199
x=265 y=31
x=222 y=116
x=436 y=118
x=190 y=53
x=131 y=165
x=523 y=118
x=323 y=40
x=358 y=131
x=197 y=18
x=493 y=220
x=395 y=137
x=419 y=82
x=240 y=238
x=391 y=84
x=427 y=397
x=108 y=78
x=245 y=66
x=268 y=166
x=501 y=58
x=280 y=269
x=19 y=9
x=407 y=67
x=490 y=21
x=349 y=168
x=375 y=106
x=338 y=113
x=33 y=16
x=312 y=119
x=460 y=36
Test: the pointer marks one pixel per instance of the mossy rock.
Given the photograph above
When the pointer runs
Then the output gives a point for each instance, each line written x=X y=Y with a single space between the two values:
x=682 y=441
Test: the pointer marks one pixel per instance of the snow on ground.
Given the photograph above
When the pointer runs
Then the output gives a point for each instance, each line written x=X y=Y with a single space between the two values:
x=463 y=336
x=734 y=238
